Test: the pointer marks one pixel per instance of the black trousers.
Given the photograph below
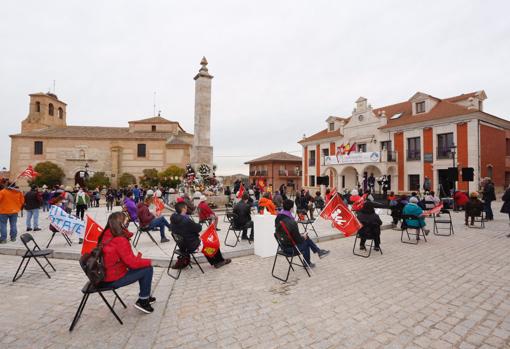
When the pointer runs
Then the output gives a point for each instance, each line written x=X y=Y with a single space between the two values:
x=191 y=247
x=245 y=229
x=376 y=237
x=80 y=211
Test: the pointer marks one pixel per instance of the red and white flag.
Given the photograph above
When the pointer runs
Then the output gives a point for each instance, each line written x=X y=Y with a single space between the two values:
x=210 y=242
x=28 y=173
x=240 y=192
x=92 y=233
x=342 y=218
x=434 y=210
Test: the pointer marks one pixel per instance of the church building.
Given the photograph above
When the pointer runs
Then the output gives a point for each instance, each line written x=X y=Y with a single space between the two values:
x=153 y=142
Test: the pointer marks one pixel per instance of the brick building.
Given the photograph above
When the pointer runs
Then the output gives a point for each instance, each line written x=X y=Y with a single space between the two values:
x=276 y=169
x=408 y=141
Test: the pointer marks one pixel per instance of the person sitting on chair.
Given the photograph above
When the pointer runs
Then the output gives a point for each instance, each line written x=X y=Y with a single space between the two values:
x=267 y=203
x=189 y=231
x=303 y=242
x=371 y=226
x=121 y=266
x=243 y=220
x=319 y=201
x=130 y=206
x=147 y=219
x=412 y=209
x=460 y=200
x=205 y=213
x=474 y=208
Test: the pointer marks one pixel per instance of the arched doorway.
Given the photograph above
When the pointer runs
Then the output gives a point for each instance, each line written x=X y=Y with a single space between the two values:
x=349 y=178
x=376 y=172
x=79 y=178
x=333 y=177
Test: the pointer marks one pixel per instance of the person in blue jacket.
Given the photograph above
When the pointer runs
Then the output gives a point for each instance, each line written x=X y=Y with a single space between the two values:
x=413 y=209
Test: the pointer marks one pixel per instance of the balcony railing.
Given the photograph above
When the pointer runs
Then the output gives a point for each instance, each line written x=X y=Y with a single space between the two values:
x=413 y=155
x=289 y=173
x=391 y=156
x=258 y=173
x=443 y=153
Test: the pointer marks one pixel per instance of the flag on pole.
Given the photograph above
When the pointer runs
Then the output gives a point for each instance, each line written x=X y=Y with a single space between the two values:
x=92 y=233
x=343 y=219
x=240 y=192
x=210 y=242
x=28 y=173
x=160 y=206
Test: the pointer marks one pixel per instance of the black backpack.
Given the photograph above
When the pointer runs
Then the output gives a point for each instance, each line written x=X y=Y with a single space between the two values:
x=92 y=263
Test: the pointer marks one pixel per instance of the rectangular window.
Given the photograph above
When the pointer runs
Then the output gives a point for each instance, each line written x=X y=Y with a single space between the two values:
x=311 y=158
x=312 y=181
x=38 y=148
x=362 y=148
x=420 y=107
x=142 y=150
x=414 y=182
x=153 y=128
x=325 y=152
x=413 y=148
x=386 y=145
x=444 y=144
x=331 y=126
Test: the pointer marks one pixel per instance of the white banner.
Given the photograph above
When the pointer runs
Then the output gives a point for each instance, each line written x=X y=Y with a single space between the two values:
x=66 y=222
x=353 y=158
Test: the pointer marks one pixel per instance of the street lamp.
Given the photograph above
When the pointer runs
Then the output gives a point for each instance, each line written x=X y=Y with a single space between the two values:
x=86 y=170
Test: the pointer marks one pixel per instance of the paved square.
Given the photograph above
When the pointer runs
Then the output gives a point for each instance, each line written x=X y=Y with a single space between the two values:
x=451 y=292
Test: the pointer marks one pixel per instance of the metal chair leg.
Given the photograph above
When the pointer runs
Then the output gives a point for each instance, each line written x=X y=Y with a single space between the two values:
x=196 y=262
x=120 y=299
x=79 y=311
x=14 y=279
x=111 y=309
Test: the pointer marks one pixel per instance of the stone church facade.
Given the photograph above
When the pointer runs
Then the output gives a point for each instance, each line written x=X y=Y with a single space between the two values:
x=153 y=142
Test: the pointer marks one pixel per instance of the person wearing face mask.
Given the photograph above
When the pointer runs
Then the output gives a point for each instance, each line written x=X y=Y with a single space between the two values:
x=121 y=266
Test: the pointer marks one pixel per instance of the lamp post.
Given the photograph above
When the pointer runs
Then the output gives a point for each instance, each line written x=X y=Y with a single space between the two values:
x=86 y=170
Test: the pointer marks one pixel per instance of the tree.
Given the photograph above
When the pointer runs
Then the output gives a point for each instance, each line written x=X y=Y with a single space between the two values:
x=167 y=178
x=126 y=179
x=49 y=173
x=98 y=180
x=149 y=178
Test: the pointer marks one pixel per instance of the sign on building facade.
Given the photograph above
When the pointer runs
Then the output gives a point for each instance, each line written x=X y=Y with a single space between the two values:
x=353 y=158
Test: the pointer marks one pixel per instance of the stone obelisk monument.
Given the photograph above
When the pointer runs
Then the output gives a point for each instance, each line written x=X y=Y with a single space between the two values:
x=202 y=151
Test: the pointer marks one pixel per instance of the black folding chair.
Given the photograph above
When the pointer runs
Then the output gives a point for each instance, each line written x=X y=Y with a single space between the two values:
x=139 y=231
x=369 y=250
x=478 y=219
x=443 y=223
x=180 y=253
x=30 y=253
x=55 y=231
x=236 y=230
x=89 y=289
x=417 y=231
x=228 y=209
x=289 y=253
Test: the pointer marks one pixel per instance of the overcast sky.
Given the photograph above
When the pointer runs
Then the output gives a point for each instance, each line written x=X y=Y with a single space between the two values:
x=281 y=67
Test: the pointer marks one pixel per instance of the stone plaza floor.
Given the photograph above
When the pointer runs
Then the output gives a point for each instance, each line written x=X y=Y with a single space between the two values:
x=450 y=292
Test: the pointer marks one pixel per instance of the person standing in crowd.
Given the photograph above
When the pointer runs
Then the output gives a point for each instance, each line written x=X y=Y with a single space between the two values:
x=302 y=242
x=412 y=209
x=427 y=184
x=371 y=226
x=121 y=266
x=385 y=183
x=371 y=183
x=33 y=202
x=189 y=204
x=506 y=203
x=189 y=231
x=68 y=200
x=319 y=201
x=82 y=202
x=11 y=202
x=147 y=219
x=278 y=200
x=205 y=213
x=243 y=220
x=489 y=196
x=473 y=208
x=227 y=192
x=136 y=194
x=46 y=196
x=110 y=197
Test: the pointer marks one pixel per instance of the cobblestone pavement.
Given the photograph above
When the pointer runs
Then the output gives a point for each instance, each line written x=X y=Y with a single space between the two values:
x=451 y=292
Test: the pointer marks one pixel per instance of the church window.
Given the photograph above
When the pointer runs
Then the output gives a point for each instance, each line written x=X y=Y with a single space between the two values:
x=141 y=151
x=37 y=107
x=60 y=113
x=38 y=148
x=82 y=154
x=51 y=109
x=153 y=128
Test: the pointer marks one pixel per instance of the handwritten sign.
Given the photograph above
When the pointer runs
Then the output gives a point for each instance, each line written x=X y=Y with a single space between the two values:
x=66 y=222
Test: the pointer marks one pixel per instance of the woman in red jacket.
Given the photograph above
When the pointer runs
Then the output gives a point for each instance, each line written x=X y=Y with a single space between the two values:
x=122 y=267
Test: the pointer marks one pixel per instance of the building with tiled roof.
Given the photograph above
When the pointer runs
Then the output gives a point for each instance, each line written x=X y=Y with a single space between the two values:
x=147 y=143
x=425 y=136
x=276 y=169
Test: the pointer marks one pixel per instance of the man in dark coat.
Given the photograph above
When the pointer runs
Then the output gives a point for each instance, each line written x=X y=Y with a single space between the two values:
x=187 y=235
x=489 y=196
x=506 y=204
x=242 y=210
x=371 y=226
x=33 y=202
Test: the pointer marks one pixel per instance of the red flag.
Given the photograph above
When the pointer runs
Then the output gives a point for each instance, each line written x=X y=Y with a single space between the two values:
x=160 y=206
x=343 y=219
x=28 y=173
x=352 y=148
x=434 y=210
x=92 y=233
x=210 y=241
x=240 y=192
